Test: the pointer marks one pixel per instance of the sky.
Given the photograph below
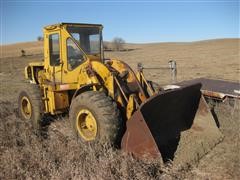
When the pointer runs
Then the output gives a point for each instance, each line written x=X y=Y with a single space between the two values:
x=133 y=20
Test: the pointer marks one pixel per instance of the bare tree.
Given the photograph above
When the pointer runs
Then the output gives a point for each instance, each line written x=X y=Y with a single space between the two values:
x=23 y=52
x=118 y=43
x=40 y=38
x=105 y=46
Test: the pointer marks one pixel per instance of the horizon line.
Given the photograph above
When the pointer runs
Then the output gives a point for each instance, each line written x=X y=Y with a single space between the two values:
x=126 y=42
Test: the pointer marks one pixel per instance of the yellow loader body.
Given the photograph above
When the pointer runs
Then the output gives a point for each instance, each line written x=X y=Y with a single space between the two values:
x=154 y=122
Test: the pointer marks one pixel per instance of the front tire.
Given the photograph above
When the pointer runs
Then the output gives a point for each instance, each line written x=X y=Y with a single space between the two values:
x=30 y=105
x=95 y=118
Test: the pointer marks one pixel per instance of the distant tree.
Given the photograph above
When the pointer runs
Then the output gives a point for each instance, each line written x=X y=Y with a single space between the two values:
x=118 y=43
x=105 y=46
x=40 y=38
x=23 y=52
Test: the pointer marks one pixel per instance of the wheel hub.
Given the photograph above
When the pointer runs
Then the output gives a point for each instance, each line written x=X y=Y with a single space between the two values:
x=26 y=108
x=86 y=125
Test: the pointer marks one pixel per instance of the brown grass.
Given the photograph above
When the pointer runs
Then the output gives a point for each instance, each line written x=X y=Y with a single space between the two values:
x=14 y=50
x=223 y=162
x=24 y=155
x=59 y=156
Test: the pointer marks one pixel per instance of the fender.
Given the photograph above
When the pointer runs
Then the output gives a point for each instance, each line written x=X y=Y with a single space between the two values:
x=82 y=89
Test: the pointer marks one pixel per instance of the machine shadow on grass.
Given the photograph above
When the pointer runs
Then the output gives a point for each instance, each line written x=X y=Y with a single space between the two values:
x=47 y=120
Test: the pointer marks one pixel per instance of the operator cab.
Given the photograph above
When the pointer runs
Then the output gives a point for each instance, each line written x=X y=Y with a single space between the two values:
x=74 y=43
x=69 y=45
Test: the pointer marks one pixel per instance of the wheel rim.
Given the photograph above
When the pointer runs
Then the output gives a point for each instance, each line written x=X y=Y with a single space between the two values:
x=86 y=125
x=26 y=108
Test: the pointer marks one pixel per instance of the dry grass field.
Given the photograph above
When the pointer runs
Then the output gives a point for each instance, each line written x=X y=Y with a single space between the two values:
x=25 y=156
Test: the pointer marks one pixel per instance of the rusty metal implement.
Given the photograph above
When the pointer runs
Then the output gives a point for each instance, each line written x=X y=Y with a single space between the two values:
x=171 y=120
x=219 y=89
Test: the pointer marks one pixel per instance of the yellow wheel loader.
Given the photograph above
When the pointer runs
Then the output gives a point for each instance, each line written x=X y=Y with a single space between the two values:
x=110 y=103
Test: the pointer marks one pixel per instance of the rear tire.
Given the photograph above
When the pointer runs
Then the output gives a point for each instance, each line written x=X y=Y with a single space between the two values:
x=95 y=118
x=30 y=105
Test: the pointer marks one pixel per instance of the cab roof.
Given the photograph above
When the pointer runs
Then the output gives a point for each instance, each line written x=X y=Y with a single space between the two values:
x=71 y=24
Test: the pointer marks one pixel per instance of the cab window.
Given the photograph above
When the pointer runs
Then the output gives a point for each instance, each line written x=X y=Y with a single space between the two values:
x=88 y=38
x=74 y=55
x=54 y=49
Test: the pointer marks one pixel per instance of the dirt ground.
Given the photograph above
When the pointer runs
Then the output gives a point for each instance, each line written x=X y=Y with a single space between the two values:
x=24 y=156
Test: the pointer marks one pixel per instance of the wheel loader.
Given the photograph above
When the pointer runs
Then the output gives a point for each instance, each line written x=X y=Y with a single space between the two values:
x=110 y=103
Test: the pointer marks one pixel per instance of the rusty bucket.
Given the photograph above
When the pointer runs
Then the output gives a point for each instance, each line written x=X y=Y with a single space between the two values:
x=176 y=125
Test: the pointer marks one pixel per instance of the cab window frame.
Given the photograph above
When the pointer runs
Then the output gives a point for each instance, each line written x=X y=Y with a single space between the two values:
x=67 y=54
x=50 y=46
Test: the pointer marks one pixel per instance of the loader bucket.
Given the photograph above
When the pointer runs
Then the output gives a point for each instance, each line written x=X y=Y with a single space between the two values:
x=175 y=125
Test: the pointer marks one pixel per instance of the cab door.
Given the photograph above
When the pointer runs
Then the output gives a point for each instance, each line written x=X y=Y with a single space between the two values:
x=53 y=56
x=73 y=58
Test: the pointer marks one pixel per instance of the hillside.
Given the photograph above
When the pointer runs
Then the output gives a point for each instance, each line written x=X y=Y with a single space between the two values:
x=218 y=58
